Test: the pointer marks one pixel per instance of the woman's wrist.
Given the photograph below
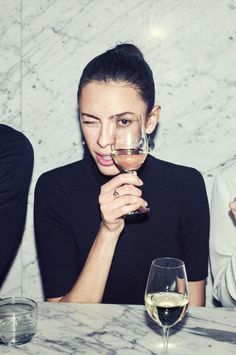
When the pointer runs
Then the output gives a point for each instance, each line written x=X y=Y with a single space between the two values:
x=111 y=231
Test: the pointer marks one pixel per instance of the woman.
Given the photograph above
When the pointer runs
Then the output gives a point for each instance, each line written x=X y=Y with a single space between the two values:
x=88 y=251
x=223 y=236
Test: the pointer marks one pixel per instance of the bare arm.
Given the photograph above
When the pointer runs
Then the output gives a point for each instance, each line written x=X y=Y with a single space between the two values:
x=197 y=291
x=91 y=282
x=90 y=285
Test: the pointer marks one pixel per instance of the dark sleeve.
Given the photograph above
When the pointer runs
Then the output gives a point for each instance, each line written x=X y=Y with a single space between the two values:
x=16 y=164
x=195 y=228
x=56 y=246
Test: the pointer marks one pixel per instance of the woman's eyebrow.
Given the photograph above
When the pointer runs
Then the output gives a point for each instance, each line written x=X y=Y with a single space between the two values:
x=124 y=113
x=98 y=118
x=89 y=115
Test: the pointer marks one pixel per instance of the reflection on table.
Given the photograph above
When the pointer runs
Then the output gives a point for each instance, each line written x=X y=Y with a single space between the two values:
x=126 y=330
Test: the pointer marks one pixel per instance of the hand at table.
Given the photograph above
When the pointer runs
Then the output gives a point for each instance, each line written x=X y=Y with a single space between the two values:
x=232 y=206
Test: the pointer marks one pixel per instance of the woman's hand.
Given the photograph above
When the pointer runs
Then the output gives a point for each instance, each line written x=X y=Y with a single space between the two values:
x=232 y=206
x=117 y=198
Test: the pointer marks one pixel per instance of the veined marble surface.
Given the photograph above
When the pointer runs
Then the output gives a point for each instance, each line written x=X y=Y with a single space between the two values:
x=10 y=63
x=191 y=47
x=126 y=330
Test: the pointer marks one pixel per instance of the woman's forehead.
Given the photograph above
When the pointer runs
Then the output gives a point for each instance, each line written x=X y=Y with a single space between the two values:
x=118 y=86
x=109 y=98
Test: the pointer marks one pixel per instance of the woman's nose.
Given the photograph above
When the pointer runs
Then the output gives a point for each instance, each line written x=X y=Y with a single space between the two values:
x=105 y=137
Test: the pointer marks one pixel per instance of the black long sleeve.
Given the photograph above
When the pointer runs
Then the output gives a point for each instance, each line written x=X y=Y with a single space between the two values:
x=16 y=165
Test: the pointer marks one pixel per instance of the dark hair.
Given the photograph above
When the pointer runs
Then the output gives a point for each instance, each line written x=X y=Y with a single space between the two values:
x=123 y=63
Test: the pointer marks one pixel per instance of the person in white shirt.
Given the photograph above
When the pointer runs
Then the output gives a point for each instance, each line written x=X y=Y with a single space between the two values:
x=223 y=236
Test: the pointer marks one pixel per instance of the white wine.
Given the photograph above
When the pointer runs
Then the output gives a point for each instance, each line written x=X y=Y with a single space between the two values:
x=166 y=308
x=129 y=159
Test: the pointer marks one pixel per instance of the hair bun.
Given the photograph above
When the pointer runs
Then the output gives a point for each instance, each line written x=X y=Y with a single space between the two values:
x=129 y=49
x=123 y=63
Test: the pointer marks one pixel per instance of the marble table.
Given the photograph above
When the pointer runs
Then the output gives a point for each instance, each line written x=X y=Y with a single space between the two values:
x=126 y=330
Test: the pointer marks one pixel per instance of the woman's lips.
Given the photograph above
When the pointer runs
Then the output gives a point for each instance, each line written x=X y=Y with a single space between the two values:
x=104 y=160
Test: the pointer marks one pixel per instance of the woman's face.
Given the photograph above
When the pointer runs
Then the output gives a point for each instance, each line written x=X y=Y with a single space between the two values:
x=98 y=103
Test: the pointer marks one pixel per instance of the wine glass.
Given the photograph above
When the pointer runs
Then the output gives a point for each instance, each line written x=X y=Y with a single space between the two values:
x=167 y=295
x=129 y=146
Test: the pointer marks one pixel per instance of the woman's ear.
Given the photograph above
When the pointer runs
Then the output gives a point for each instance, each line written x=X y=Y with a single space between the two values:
x=152 y=119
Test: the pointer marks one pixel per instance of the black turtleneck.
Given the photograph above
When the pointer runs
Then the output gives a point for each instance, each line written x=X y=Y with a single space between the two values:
x=67 y=219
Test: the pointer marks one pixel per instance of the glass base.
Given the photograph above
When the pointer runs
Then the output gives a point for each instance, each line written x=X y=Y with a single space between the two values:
x=14 y=341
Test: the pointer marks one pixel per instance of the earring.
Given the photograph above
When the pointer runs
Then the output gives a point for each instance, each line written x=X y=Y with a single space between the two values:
x=151 y=143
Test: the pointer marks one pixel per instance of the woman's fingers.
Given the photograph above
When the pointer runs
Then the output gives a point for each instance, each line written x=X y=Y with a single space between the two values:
x=120 y=196
x=129 y=190
x=120 y=180
x=118 y=192
x=122 y=184
x=121 y=206
x=232 y=206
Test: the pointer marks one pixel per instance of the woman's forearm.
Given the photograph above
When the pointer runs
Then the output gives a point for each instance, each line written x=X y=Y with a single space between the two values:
x=90 y=285
x=91 y=282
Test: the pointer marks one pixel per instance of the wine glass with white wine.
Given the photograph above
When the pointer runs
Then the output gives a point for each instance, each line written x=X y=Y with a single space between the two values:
x=129 y=146
x=167 y=295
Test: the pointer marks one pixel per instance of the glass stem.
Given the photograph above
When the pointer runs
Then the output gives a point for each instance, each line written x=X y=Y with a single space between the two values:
x=165 y=341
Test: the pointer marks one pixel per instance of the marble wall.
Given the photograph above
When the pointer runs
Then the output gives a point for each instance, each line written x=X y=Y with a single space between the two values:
x=191 y=47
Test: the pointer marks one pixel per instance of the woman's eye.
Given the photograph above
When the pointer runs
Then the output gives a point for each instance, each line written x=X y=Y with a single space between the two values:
x=124 y=122
x=90 y=123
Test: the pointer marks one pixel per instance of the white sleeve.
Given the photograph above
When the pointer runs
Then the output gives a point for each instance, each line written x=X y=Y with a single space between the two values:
x=223 y=238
